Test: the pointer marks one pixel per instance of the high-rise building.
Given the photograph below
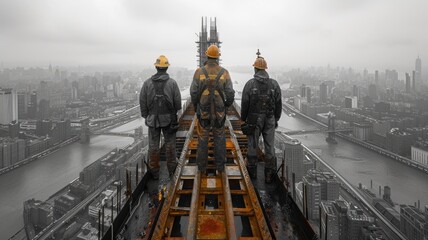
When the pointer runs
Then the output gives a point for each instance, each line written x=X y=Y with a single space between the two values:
x=318 y=186
x=418 y=69
x=43 y=91
x=23 y=101
x=408 y=83
x=413 y=223
x=414 y=81
x=32 y=106
x=308 y=95
x=323 y=93
x=373 y=91
x=294 y=159
x=303 y=90
x=311 y=197
x=329 y=222
x=357 y=219
x=206 y=40
x=8 y=106
x=355 y=91
x=377 y=78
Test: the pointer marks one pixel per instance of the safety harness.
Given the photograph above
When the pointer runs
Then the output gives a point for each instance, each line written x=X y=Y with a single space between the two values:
x=212 y=86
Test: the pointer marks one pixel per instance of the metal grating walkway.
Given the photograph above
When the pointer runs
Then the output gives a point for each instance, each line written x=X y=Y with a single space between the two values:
x=212 y=205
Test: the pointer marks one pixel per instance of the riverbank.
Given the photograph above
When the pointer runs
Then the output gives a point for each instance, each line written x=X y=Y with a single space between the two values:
x=40 y=155
x=372 y=147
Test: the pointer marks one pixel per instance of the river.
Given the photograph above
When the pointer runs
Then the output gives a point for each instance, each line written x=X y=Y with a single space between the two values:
x=42 y=178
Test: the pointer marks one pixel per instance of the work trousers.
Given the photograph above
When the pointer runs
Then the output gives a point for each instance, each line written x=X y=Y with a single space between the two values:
x=266 y=128
x=219 y=145
x=154 y=154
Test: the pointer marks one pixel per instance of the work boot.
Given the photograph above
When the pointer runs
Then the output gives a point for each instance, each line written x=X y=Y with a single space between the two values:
x=252 y=171
x=269 y=175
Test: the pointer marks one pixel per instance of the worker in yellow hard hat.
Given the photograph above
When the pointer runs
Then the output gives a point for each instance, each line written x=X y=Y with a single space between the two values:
x=160 y=99
x=261 y=108
x=211 y=93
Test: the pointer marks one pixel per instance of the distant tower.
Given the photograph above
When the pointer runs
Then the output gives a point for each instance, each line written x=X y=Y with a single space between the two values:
x=377 y=78
x=414 y=81
x=206 y=40
x=418 y=69
x=85 y=131
x=408 y=83
x=323 y=93
x=8 y=106
x=331 y=137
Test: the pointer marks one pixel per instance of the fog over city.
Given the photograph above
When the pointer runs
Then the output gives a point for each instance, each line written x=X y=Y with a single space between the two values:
x=361 y=34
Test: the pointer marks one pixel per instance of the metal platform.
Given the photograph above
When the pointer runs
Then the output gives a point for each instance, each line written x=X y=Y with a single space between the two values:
x=212 y=205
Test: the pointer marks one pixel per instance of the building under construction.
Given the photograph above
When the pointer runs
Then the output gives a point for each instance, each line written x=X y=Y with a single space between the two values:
x=206 y=40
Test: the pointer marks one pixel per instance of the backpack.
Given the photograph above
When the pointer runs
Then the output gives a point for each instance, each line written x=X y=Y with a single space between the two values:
x=160 y=104
x=262 y=98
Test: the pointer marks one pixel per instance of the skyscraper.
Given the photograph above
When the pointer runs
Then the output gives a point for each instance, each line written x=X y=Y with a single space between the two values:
x=329 y=222
x=23 y=100
x=418 y=69
x=323 y=93
x=408 y=83
x=294 y=159
x=32 y=106
x=206 y=40
x=308 y=95
x=412 y=222
x=8 y=106
x=377 y=78
x=414 y=81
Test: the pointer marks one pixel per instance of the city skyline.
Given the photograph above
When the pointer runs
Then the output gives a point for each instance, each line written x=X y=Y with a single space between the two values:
x=363 y=34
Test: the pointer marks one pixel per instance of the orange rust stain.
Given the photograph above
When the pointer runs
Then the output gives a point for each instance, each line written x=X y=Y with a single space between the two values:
x=210 y=226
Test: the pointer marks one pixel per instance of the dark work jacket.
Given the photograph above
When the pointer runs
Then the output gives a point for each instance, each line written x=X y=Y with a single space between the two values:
x=147 y=96
x=262 y=77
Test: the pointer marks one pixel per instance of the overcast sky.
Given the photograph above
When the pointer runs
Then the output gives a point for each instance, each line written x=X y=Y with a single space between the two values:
x=377 y=34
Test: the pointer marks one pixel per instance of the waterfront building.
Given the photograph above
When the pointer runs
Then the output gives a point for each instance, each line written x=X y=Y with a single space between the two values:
x=356 y=219
x=293 y=150
x=311 y=197
x=318 y=186
x=64 y=203
x=37 y=214
x=413 y=223
x=329 y=222
x=399 y=142
x=362 y=131
x=372 y=232
x=43 y=127
x=419 y=152
x=386 y=209
x=8 y=106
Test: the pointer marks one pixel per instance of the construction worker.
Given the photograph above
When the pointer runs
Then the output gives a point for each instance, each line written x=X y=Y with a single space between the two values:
x=160 y=99
x=211 y=93
x=261 y=108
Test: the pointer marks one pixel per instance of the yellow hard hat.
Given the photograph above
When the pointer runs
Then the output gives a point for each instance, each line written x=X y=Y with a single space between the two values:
x=260 y=63
x=162 y=62
x=213 y=51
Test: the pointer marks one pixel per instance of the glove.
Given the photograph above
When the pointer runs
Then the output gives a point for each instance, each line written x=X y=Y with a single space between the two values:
x=276 y=124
